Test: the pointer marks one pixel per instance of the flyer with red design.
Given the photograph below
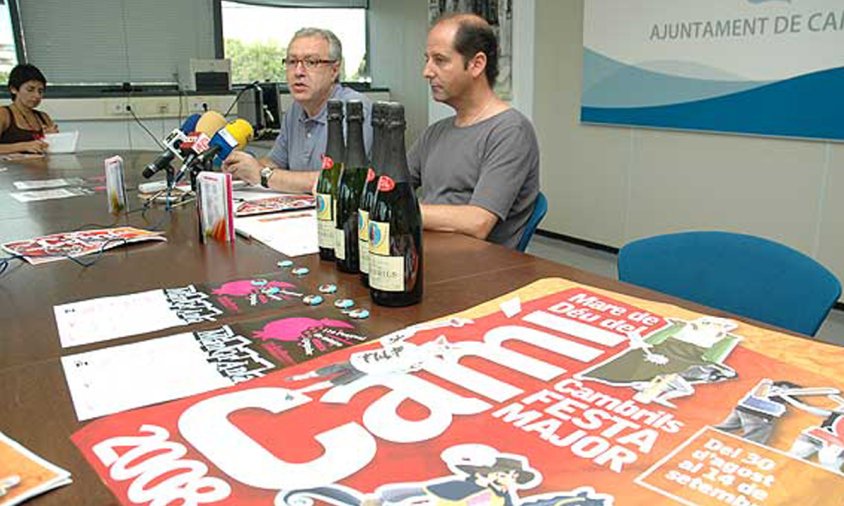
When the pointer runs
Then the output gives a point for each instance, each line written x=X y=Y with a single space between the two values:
x=176 y=366
x=90 y=321
x=65 y=245
x=275 y=204
x=557 y=393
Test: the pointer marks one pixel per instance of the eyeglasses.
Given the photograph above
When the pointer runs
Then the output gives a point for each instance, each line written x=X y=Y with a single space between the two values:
x=309 y=63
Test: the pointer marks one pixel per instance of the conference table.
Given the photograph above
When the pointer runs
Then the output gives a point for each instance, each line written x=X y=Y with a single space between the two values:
x=460 y=273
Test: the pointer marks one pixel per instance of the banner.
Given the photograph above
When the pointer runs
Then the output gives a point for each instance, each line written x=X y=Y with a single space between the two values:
x=767 y=67
x=558 y=393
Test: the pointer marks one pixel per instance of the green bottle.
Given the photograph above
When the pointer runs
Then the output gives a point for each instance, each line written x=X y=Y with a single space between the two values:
x=379 y=112
x=349 y=190
x=395 y=225
x=326 y=192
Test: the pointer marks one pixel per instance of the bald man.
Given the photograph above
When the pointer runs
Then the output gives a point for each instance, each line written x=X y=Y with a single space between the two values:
x=479 y=169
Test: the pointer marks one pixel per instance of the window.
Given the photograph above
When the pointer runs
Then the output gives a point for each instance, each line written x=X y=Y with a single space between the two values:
x=8 y=48
x=255 y=38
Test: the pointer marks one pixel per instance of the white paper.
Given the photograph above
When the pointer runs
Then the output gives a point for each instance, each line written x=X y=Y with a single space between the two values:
x=290 y=233
x=64 y=142
x=511 y=307
x=246 y=193
x=58 y=193
x=41 y=184
x=104 y=318
x=119 y=378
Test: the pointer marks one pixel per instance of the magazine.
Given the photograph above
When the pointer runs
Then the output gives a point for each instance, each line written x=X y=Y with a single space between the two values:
x=24 y=475
x=275 y=204
x=76 y=244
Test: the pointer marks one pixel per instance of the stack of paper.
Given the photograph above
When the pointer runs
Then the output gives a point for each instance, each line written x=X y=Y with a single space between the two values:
x=292 y=234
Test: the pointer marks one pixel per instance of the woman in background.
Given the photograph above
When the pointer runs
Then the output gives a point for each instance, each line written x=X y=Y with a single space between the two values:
x=22 y=128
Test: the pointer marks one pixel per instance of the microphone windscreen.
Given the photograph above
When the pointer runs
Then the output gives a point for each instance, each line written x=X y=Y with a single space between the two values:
x=241 y=130
x=190 y=123
x=210 y=123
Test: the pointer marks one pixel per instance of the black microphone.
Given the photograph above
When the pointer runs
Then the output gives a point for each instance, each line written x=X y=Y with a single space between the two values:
x=235 y=135
x=173 y=141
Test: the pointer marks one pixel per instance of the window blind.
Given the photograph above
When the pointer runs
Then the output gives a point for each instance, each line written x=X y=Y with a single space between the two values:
x=331 y=4
x=113 y=41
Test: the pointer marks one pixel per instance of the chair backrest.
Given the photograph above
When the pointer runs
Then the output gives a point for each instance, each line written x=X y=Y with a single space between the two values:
x=540 y=208
x=742 y=274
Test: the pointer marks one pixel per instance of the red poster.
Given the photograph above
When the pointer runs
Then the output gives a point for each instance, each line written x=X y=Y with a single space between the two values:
x=554 y=394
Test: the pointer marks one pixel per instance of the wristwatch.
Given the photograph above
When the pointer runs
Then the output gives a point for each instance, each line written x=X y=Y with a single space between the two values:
x=266 y=172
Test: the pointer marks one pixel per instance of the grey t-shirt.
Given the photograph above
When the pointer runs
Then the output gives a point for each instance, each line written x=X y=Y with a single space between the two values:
x=301 y=142
x=493 y=164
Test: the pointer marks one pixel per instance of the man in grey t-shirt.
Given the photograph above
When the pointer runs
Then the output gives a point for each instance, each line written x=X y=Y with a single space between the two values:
x=312 y=64
x=479 y=169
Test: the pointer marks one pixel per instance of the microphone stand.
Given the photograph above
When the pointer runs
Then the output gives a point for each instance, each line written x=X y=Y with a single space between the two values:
x=171 y=176
x=204 y=165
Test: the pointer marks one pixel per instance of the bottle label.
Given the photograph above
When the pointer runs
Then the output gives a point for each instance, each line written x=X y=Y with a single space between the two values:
x=363 y=225
x=363 y=240
x=325 y=220
x=379 y=238
x=327 y=162
x=386 y=184
x=339 y=244
x=386 y=273
x=324 y=207
x=363 y=256
x=325 y=234
x=370 y=175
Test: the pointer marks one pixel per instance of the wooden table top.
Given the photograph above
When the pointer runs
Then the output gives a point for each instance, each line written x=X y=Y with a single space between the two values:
x=36 y=407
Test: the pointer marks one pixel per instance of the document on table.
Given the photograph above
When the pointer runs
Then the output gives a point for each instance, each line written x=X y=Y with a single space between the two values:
x=119 y=378
x=55 y=193
x=290 y=233
x=77 y=243
x=91 y=321
x=43 y=184
x=179 y=365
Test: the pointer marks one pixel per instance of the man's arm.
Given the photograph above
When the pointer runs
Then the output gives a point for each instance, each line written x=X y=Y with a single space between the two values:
x=465 y=219
x=244 y=166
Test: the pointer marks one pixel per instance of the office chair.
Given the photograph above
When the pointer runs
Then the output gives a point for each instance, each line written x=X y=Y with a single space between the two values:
x=540 y=208
x=742 y=274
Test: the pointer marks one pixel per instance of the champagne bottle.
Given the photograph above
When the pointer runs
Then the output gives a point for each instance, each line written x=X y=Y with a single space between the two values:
x=395 y=225
x=326 y=192
x=349 y=190
x=379 y=110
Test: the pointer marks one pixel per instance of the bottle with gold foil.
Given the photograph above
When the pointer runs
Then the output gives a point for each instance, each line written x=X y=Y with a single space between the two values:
x=395 y=225
x=326 y=190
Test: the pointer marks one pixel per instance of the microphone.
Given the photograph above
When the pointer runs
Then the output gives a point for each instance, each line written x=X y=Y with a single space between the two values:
x=173 y=142
x=234 y=136
x=197 y=143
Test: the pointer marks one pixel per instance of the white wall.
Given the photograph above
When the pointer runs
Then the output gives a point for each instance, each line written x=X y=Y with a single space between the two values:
x=397 y=33
x=103 y=123
x=611 y=185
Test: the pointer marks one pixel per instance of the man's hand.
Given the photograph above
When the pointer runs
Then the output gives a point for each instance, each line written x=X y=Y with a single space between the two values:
x=243 y=166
